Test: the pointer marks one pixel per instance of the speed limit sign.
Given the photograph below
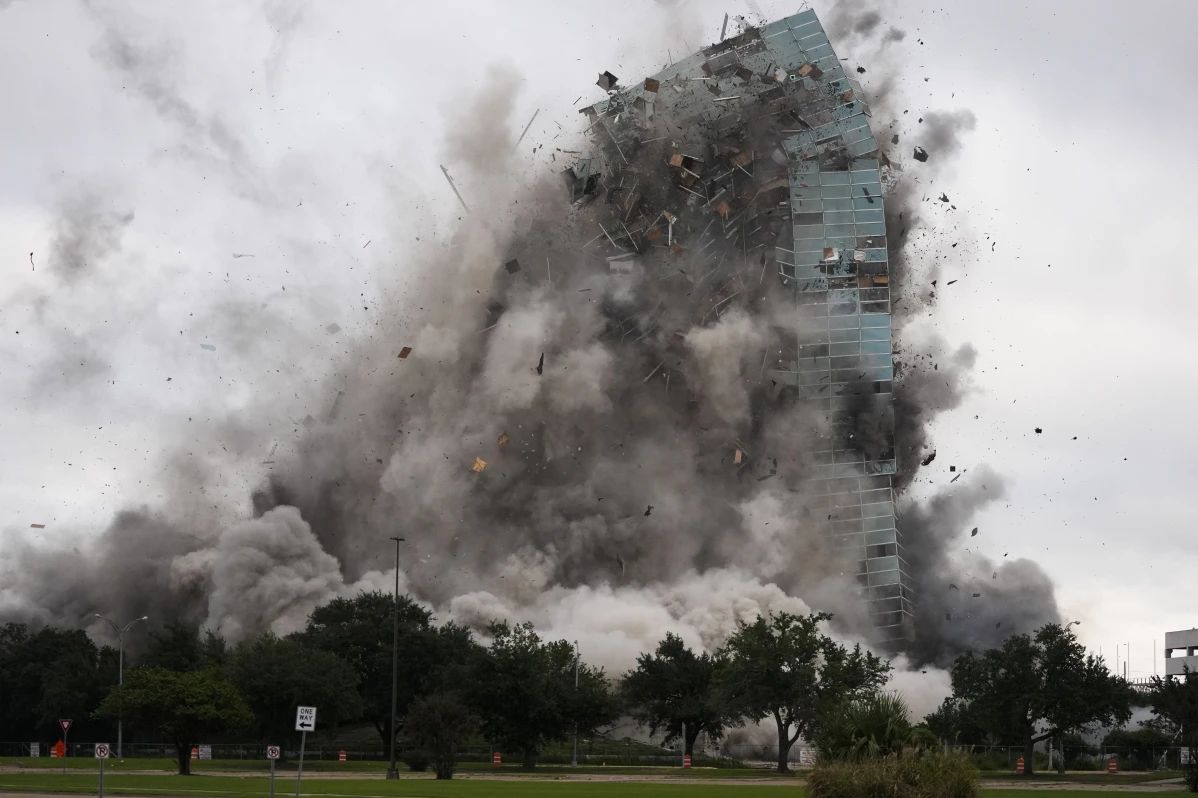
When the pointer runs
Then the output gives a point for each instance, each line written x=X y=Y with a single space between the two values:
x=272 y=752
x=101 y=750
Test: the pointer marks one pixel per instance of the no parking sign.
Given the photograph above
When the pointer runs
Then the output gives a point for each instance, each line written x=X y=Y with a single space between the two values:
x=101 y=750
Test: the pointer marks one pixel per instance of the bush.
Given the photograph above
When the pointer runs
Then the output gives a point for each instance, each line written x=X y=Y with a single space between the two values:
x=923 y=776
x=416 y=760
x=1191 y=776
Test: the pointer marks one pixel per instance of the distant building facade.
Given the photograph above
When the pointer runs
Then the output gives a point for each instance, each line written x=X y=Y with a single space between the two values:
x=1181 y=652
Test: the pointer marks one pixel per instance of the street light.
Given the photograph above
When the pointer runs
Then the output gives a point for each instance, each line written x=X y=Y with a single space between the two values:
x=392 y=771
x=574 y=758
x=120 y=645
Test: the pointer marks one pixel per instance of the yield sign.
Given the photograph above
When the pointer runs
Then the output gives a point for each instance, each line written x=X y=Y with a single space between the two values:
x=65 y=723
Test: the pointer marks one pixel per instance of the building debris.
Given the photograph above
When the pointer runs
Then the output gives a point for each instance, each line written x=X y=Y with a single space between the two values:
x=921 y=154
x=479 y=465
x=738 y=457
x=607 y=81
x=928 y=460
x=526 y=127
x=449 y=179
x=37 y=526
x=404 y=352
x=652 y=85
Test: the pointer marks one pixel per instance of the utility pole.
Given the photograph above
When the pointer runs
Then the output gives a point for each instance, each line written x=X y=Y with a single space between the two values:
x=120 y=646
x=574 y=758
x=392 y=771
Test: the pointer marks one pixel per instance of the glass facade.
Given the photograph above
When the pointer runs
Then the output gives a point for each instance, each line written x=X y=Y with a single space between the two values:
x=823 y=189
x=843 y=357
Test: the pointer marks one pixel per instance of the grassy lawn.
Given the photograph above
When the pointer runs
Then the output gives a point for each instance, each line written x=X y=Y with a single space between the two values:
x=236 y=787
x=543 y=785
x=364 y=769
x=1095 y=777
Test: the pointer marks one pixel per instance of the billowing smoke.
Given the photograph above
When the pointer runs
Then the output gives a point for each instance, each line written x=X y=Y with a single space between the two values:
x=570 y=423
x=966 y=600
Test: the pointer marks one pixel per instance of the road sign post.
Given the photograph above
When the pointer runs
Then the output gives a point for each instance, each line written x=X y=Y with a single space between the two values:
x=65 y=724
x=272 y=753
x=102 y=756
x=305 y=721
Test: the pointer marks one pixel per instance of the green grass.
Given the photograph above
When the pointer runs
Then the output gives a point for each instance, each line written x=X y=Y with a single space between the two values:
x=364 y=768
x=544 y=786
x=243 y=787
x=1095 y=777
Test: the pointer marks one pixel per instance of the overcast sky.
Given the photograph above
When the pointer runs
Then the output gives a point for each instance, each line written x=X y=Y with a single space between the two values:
x=148 y=145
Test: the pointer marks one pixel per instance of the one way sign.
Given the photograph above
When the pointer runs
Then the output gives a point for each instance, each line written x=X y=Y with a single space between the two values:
x=305 y=719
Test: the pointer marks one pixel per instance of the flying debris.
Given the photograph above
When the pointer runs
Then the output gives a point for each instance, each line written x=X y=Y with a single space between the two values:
x=37 y=526
x=648 y=510
x=512 y=266
x=944 y=197
x=503 y=439
x=541 y=364
x=1038 y=430
x=404 y=352
x=928 y=460
x=921 y=154
x=974 y=532
x=479 y=465
x=607 y=81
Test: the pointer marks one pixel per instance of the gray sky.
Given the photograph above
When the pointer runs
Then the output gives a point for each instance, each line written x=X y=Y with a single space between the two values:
x=147 y=144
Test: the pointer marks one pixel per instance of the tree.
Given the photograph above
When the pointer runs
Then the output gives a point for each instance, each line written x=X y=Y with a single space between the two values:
x=1175 y=712
x=782 y=666
x=180 y=646
x=181 y=706
x=673 y=691
x=952 y=724
x=276 y=676
x=1038 y=687
x=524 y=692
x=51 y=674
x=439 y=724
x=873 y=726
x=1138 y=749
x=358 y=630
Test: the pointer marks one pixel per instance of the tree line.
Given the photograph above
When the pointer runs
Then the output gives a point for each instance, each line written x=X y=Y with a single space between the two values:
x=519 y=692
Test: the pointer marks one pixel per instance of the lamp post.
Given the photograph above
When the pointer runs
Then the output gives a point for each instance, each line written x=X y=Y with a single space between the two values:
x=392 y=771
x=120 y=647
x=574 y=757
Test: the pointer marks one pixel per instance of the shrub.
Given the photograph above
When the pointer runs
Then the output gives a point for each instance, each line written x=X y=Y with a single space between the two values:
x=928 y=775
x=873 y=726
x=1191 y=775
x=416 y=760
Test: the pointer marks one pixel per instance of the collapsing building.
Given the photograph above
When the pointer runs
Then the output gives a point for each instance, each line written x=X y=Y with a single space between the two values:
x=750 y=169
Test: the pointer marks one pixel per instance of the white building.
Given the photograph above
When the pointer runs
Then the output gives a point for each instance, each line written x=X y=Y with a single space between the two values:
x=1181 y=651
